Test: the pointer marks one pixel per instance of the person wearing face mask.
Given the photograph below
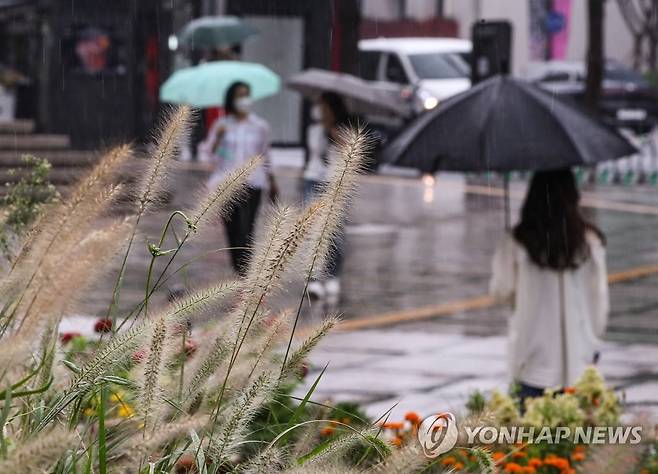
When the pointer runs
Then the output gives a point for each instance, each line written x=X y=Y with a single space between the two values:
x=231 y=142
x=329 y=115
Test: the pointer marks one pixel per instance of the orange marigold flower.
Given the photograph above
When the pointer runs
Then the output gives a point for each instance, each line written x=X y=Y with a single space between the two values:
x=579 y=448
x=519 y=455
x=570 y=390
x=458 y=466
x=529 y=470
x=327 y=431
x=397 y=441
x=513 y=467
x=558 y=462
x=412 y=417
x=449 y=461
x=498 y=455
x=535 y=462
x=393 y=425
x=578 y=456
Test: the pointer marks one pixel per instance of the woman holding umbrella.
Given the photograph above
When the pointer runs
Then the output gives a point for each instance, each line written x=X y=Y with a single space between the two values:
x=553 y=266
x=231 y=141
x=331 y=116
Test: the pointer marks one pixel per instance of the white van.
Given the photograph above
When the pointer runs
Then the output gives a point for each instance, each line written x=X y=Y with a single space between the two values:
x=433 y=68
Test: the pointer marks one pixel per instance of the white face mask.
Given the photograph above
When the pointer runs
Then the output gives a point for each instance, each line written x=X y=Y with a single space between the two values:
x=243 y=104
x=316 y=113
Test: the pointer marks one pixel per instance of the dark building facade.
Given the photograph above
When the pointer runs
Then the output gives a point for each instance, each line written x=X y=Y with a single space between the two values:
x=94 y=68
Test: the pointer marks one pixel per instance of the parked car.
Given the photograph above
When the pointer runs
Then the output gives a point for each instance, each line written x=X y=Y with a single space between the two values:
x=433 y=69
x=627 y=98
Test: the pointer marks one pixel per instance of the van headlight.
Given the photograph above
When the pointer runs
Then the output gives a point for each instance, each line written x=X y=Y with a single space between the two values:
x=430 y=102
x=425 y=100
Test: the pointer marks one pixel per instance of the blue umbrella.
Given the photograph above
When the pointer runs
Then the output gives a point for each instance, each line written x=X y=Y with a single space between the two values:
x=215 y=32
x=205 y=85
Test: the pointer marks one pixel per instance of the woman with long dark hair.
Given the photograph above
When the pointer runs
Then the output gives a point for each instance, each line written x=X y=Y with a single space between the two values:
x=553 y=267
x=231 y=142
x=330 y=115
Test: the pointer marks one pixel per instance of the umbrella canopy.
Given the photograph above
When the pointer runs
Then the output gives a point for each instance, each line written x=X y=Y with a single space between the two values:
x=361 y=97
x=215 y=32
x=504 y=124
x=205 y=85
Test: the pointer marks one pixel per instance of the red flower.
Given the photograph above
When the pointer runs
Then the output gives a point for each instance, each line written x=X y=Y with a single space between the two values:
x=186 y=463
x=67 y=336
x=138 y=356
x=190 y=347
x=103 y=325
x=303 y=370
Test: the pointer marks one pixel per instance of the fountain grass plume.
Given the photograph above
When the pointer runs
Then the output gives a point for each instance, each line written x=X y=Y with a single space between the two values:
x=216 y=203
x=402 y=461
x=270 y=269
x=298 y=355
x=59 y=227
x=137 y=447
x=69 y=274
x=85 y=202
x=172 y=132
x=267 y=461
x=150 y=392
x=340 y=446
x=38 y=454
x=238 y=415
x=203 y=367
x=112 y=355
x=335 y=194
x=215 y=391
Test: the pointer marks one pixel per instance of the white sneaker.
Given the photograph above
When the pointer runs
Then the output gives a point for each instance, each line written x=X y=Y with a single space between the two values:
x=316 y=289
x=332 y=286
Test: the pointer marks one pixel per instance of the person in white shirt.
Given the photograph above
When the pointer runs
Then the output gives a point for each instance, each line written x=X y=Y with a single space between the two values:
x=330 y=115
x=231 y=141
x=553 y=268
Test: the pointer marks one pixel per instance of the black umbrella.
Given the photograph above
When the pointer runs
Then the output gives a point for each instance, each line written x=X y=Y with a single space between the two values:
x=504 y=124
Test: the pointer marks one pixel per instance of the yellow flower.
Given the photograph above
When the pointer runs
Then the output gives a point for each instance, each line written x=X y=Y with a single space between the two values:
x=115 y=398
x=89 y=412
x=125 y=411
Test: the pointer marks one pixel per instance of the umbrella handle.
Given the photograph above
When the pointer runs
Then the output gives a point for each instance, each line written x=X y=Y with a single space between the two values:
x=506 y=203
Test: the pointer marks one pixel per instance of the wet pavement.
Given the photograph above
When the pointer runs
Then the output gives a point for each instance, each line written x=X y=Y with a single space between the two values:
x=410 y=246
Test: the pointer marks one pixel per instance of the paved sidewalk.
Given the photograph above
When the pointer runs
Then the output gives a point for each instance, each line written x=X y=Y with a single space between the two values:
x=430 y=370
x=413 y=247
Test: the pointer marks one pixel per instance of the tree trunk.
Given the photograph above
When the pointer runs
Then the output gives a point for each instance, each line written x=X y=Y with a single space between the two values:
x=595 y=55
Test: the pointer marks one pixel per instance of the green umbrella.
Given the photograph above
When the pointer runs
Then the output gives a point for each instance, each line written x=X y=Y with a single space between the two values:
x=211 y=32
x=205 y=85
